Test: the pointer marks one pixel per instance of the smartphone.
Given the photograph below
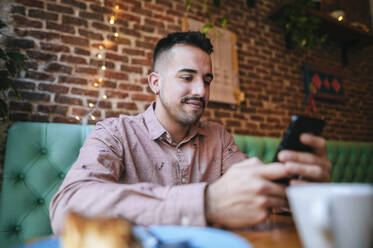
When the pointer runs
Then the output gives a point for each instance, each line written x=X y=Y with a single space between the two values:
x=299 y=124
x=290 y=141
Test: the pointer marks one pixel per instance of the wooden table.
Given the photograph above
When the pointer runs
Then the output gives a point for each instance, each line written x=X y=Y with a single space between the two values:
x=277 y=232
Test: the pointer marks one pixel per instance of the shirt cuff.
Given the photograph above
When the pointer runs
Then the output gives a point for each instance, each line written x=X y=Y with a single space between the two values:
x=189 y=203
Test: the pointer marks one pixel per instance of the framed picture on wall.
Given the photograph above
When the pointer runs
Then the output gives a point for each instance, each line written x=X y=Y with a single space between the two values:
x=321 y=86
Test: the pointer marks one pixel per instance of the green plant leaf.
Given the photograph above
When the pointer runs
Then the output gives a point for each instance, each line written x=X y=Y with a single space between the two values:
x=223 y=21
x=2 y=24
x=3 y=109
x=188 y=5
x=12 y=67
x=207 y=27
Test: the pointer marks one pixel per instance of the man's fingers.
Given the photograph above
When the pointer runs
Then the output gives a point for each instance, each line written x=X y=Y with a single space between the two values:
x=264 y=187
x=312 y=172
x=272 y=171
x=317 y=143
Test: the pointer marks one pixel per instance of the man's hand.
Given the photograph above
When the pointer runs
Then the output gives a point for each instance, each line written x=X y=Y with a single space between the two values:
x=244 y=195
x=307 y=166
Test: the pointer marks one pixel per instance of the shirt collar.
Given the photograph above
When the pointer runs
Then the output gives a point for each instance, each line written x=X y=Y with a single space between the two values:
x=156 y=129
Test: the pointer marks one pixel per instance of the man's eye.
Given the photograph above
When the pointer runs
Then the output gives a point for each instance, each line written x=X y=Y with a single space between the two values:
x=187 y=78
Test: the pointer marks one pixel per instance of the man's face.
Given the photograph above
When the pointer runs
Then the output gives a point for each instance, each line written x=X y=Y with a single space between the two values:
x=185 y=75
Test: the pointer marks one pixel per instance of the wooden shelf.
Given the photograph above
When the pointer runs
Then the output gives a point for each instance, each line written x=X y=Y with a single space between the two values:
x=342 y=33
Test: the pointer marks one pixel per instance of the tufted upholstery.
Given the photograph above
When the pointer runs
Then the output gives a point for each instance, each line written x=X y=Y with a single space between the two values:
x=38 y=156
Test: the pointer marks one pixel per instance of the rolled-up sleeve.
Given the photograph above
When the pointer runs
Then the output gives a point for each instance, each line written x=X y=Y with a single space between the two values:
x=93 y=188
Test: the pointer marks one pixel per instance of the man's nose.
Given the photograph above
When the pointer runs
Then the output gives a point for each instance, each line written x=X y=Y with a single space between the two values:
x=199 y=88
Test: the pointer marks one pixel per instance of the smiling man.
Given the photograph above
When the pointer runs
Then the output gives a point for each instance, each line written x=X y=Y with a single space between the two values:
x=166 y=166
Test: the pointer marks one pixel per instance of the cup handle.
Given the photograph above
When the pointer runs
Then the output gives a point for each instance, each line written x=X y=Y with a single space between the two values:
x=320 y=212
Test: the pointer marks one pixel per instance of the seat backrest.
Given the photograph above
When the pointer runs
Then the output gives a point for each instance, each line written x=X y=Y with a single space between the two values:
x=352 y=161
x=37 y=157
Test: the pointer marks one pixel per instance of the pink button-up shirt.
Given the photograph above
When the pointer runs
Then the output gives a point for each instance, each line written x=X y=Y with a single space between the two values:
x=129 y=167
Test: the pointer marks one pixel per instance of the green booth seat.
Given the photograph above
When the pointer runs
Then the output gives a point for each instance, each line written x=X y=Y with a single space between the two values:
x=38 y=155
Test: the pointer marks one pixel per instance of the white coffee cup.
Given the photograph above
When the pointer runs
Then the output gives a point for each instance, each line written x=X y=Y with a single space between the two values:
x=333 y=215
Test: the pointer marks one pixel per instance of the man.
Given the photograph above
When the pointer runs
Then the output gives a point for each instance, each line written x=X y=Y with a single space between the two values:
x=165 y=166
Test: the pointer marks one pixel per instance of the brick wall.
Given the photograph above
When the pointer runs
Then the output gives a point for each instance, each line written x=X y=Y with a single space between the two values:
x=62 y=39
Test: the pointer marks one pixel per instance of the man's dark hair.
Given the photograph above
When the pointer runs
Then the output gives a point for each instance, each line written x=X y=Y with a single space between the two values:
x=192 y=38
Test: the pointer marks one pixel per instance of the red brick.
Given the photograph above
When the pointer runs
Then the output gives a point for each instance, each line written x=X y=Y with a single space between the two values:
x=75 y=3
x=145 y=44
x=142 y=97
x=75 y=40
x=70 y=20
x=141 y=62
x=60 y=8
x=110 y=114
x=20 y=106
x=220 y=114
x=92 y=16
x=73 y=59
x=65 y=119
x=67 y=100
x=86 y=70
x=41 y=56
x=56 y=67
x=39 y=76
x=130 y=87
x=100 y=26
x=109 y=84
x=84 y=92
x=90 y=35
x=116 y=75
x=31 y=3
x=72 y=80
x=136 y=52
x=144 y=28
x=34 y=96
x=126 y=16
x=16 y=9
x=130 y=32
x=80 y=111
x=127 y=105
x=80 y=51
x=114 y=56
x=35 y=13
x=39 y=118
x=53 y=88
x=116 y=94
x=164 y=3
x=52 y=109
x=104 y=104
x=230 y=123
x=20 y=84
x=132 y=69
x=61 y=27
x=54 y=47
x=25 y=22
x=16 y=116
x=41 y=35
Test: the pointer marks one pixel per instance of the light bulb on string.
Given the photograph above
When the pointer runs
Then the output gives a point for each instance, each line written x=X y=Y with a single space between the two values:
x=103 y=68
x=95 y=84
x=99 y=56
x=101 y=47
x=91 y=105
x=100 y=80
x=93 y=117
x=116 y=35
x=116 y=7
x=77 y=117
x=112 y=20
x=104 y=96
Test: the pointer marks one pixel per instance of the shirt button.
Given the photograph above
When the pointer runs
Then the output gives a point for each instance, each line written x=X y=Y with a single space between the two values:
x=184 y=180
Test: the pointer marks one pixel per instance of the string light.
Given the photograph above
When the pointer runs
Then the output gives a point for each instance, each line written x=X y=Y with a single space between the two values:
x=99 y=56
x=104 y=96
x=340 y=18
x=116 y=7
x=91 y=105
x=77 y=117
x=116 y=34
x=100 y=47
x=93 y=117
x=95 y=84
x=103 y=68
x=100 y=80
x=112 y=20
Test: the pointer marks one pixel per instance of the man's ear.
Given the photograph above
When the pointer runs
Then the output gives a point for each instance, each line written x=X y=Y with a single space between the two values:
x=153 y=80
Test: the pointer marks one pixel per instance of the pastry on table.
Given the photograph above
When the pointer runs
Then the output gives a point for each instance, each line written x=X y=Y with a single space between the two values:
x=83 y=232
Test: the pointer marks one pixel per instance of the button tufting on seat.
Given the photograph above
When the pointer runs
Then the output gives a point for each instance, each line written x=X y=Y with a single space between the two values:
x=40 y=201
x=20 y=176
x=16 y=229
x=43 y=151
x=61 y=175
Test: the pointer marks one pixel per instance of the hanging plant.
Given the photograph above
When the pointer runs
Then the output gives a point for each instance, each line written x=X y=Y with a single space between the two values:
x=300 y=26
x=11 y=63
x=204 y=5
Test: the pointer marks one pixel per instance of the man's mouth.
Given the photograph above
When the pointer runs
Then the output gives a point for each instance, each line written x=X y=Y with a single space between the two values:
x=194 y=102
